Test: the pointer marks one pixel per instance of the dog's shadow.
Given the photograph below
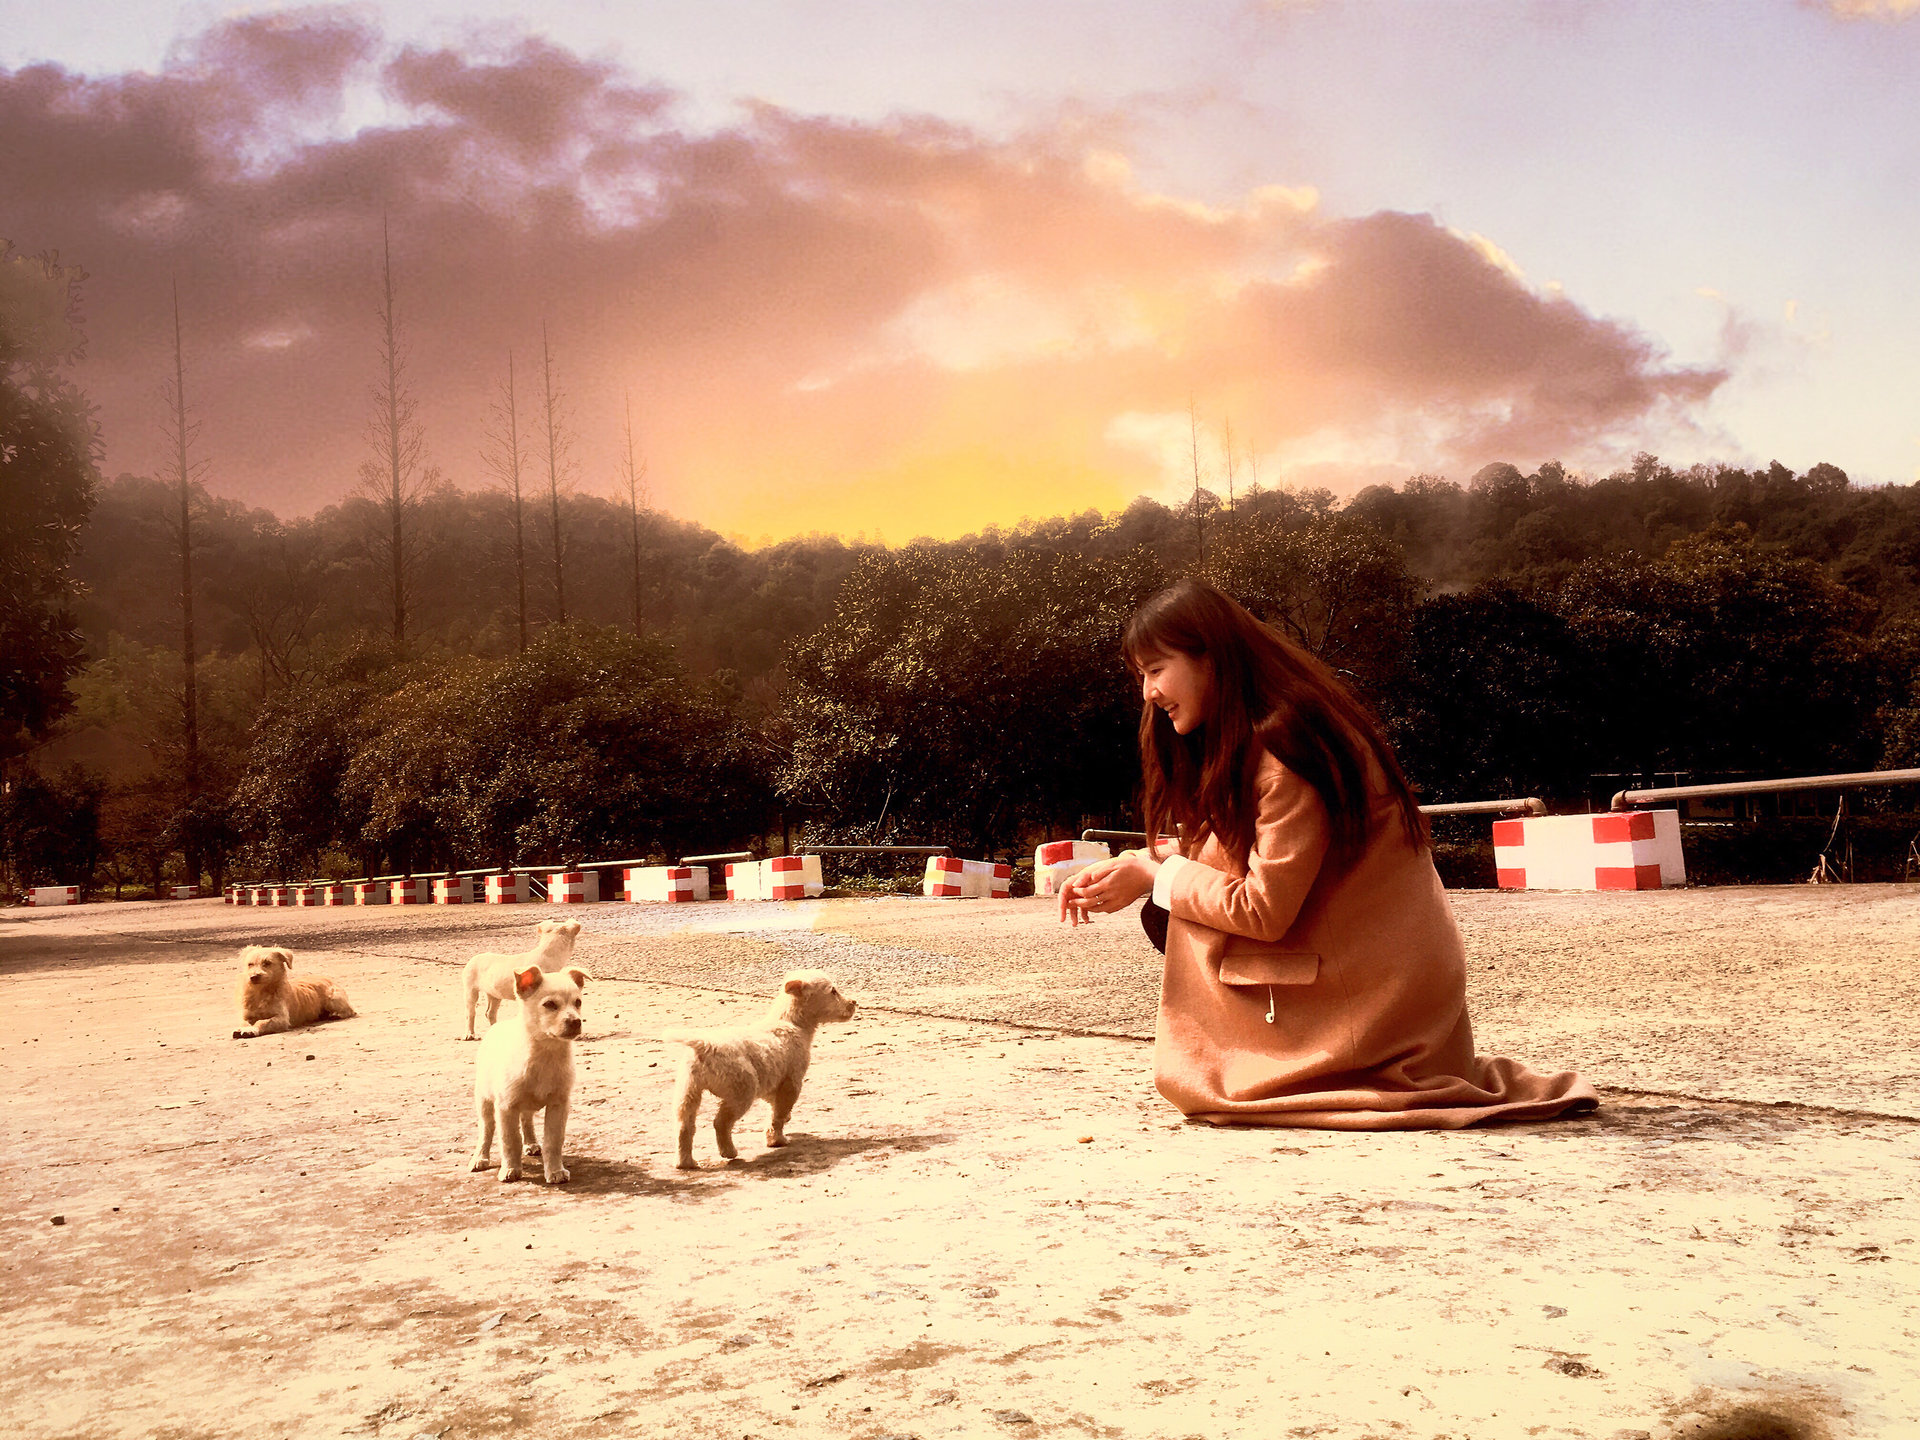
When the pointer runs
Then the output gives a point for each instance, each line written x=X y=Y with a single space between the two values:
x=802 y=1156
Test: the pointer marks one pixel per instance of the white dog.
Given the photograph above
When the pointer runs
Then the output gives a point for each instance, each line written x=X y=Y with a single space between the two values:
x=493 y=975
x=765 y=1061
x=527 y=1067
x=271 y=1000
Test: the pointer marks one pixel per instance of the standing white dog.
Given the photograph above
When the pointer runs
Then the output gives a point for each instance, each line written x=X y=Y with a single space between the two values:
x=527 y=1067
x=493 y=975
x=745 y=1063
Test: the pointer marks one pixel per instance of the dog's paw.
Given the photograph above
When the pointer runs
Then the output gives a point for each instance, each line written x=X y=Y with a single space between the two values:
x=507 y=1173
x=686 y=1162
x=532 y=1152
x=775 y=1140
x=243 y=1035
x=558 y=1177
x=479 y=1163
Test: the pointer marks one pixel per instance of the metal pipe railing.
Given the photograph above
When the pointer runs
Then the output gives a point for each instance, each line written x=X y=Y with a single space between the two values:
x=705 y=859
x=1625 y=799
x=1527 y=804
x=875 y=850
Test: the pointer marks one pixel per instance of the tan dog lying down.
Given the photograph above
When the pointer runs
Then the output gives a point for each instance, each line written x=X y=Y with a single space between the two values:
x=527 y=1067
x=272 y=1000
x=764 y=1061
x=493 y=975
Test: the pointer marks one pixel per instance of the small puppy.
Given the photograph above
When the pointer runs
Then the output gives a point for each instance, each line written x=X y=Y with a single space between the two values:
x=527 y=1067
x=765 y=1061
x=271 y=1000
x=494 y=975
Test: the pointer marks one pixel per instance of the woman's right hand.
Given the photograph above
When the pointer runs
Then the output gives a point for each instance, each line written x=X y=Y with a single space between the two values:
x=1076 y=905
x=1106 y=886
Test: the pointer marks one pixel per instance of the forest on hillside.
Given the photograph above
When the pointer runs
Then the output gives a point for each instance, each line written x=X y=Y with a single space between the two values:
x=432 y=677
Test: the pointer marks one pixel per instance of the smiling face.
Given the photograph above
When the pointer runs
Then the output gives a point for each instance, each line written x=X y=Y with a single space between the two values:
x=1180 y=685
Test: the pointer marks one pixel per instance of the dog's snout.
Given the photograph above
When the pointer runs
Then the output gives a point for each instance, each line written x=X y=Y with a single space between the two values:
x=255 y=978
x=573 y=1025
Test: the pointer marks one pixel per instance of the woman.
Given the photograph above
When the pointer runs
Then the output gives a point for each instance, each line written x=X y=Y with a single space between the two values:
x=1314 y=974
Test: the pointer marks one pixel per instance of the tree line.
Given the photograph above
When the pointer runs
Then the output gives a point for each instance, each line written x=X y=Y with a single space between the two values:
x=196 y=687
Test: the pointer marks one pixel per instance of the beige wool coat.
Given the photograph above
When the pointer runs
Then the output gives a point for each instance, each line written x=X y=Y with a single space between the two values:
x=1363 y=972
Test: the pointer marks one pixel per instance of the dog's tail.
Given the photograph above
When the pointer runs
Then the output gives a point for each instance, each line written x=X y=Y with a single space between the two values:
x=692 y=1039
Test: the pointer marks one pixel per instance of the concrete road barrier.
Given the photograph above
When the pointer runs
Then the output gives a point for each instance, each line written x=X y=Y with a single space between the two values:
x=1054 y=861
x=1623 y=850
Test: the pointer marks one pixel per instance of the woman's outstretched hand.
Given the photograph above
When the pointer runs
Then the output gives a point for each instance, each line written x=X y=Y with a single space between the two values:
x=1106 y=886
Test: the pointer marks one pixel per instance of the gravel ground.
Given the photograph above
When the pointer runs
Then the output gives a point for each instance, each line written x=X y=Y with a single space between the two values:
x=988 y=1223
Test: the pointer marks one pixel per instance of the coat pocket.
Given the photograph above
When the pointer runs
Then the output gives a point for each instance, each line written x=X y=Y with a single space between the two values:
x=1269 y=969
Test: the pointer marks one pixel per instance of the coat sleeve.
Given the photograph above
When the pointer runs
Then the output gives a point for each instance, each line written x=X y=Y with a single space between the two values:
x=1290 y=840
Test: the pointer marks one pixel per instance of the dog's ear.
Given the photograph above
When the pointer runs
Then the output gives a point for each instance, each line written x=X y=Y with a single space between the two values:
x=795 y=984
x=547 y=927
x=286 y=958
x=580 y=977
x=527 y=981
x=572 y=927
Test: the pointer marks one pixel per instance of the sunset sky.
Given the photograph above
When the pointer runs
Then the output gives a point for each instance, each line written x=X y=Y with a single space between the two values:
x=918 y=268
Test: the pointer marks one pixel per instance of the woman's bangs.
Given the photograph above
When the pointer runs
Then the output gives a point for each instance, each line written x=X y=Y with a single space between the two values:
x=1155 y=629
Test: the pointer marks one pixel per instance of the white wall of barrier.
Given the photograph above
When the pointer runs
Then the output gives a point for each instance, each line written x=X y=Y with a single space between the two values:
x=1630 y=850
x=668 y=883
x=573 y=887
x=950 y=878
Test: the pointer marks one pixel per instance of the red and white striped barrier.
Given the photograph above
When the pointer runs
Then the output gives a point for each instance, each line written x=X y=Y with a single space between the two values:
x=280 y=895
x=54 y=895
x=668 y=883
x=230 y=895
x=372 y=892
x=1624 y=850
x=506 y=889
x=952 y=879
x=410 y=891
x=184 y=892
x=784 y=877
x=573 y=887
x=1054 y=861
x=335 y=894
x=453 y=890
x=308 y=895
x=791 y=877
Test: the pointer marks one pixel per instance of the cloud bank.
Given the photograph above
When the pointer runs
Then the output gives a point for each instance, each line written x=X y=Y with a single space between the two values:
x=906 y=328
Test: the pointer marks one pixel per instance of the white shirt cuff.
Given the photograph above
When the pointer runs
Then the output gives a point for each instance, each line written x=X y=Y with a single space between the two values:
x=1163 y=882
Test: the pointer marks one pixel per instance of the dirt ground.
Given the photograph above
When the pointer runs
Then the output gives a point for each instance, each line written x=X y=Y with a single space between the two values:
x=988 y=1224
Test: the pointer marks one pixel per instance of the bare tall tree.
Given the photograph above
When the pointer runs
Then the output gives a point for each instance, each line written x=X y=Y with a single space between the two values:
x=397 y=475
x=1226 y=444
x=559 y=444
x=1199 y=518
x=505 y=455
x=181 y=431
x=633 y=484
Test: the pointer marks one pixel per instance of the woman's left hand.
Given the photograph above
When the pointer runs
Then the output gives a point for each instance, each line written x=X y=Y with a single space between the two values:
x=1106 y=886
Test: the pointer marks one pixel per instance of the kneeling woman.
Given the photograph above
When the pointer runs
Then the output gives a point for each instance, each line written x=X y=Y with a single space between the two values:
x=1314 y=973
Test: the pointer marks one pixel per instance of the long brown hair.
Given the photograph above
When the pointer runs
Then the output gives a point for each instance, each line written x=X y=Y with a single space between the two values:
x=1265 y=694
